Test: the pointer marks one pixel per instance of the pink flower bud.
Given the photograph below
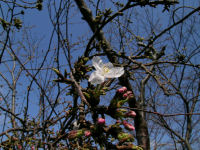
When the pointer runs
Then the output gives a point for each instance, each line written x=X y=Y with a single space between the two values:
x=19 y=146
x=128 y=126
x=101 y=121
x=32 y=147
x=125 y=95
x=87 y=133
x=122 y=89
x=131 y=114
x=128 y=94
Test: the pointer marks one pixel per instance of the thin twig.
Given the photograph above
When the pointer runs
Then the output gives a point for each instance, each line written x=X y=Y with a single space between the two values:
x=160 y=114
x=78 y=87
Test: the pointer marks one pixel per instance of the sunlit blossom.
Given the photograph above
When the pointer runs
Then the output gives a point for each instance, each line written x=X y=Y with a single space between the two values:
x=75 y=125
x=104 y=71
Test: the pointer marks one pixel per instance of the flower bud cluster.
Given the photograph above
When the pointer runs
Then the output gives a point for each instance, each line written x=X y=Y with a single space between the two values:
x=122 y=90
x=78 y=133
x=128 y=95
x=124 y=113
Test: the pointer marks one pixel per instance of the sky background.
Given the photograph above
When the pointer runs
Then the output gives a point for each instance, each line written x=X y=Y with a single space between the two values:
x=42 y=30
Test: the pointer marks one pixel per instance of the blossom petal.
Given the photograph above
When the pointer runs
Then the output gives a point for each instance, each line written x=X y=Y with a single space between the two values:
x=97 y=63
x=76 y=125
x=115 y=72
x=96 y=78
x=109 y=65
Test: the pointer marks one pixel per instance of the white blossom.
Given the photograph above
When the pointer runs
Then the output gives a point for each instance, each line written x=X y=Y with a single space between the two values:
x=104 y=71
x=75 y=125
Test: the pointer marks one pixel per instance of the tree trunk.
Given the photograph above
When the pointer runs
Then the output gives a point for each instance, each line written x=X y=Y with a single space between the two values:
x=142 y=135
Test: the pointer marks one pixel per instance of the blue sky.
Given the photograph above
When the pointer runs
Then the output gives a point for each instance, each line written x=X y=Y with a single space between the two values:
x=42 y=29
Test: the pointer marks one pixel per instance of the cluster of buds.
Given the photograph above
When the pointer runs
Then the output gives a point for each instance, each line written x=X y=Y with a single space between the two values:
x=122 y=90
x=128 y=95
x=78 y=133
x=123 y=112
x=122 y=96
x=125 y=94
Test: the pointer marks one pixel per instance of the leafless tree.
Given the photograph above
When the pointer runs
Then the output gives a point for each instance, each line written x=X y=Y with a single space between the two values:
x=47 y=101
